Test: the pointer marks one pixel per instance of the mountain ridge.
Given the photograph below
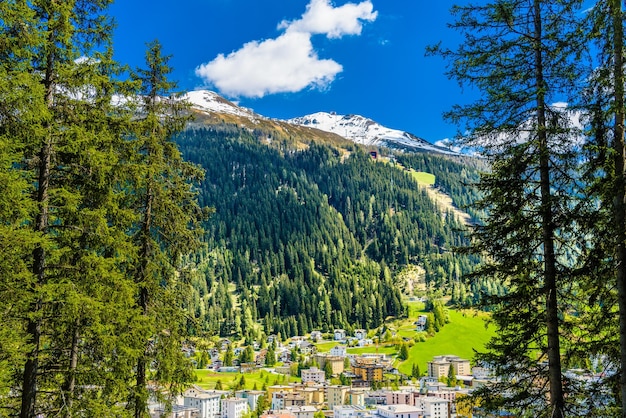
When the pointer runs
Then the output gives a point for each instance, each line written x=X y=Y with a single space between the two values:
x=355 y=128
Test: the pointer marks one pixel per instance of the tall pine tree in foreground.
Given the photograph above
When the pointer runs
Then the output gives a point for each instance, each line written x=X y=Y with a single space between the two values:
x=19 y=115
x=64 y=133
x=605 y=108
x=96 y=208
x=168 y=227
x=520 y=55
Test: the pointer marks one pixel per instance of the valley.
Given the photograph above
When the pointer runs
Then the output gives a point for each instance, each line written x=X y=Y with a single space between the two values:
x=465 y=333
x=167 y=253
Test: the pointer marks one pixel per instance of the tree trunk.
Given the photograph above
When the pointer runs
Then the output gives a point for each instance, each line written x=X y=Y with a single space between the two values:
x=70 y=384
x=141 y=381
x=29 y=381
x=31 y=368
x=550 y=283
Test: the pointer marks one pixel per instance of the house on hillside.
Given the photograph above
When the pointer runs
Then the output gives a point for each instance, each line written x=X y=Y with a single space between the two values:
x=365 y=342
x=206 y=402
x=405 y=411
x=313 y=374
x=316 y=335
x=340 y=334
x=234 y=407
x=308 y=348
x=421 y=322
x=224 y=343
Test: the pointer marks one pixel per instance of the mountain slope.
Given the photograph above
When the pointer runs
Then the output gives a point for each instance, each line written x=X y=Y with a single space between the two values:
x=312 y=237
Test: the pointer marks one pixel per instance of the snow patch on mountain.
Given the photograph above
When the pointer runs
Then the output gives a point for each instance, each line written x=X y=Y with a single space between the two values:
x=367 y=132
x=356 y=128
x=209 y=101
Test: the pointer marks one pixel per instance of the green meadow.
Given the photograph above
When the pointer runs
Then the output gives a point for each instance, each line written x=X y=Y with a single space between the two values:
x=207 y=379
x=465 y=333
x=423 y=178
x=388 y=349
x=325 y=346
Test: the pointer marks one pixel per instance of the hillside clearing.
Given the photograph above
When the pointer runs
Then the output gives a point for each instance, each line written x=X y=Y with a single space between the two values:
x=444 y=202
x=462 y=336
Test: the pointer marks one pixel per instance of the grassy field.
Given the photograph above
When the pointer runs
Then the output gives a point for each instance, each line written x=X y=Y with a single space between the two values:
x=390 y=350
x=207 y=379
x=423 y=178
x=325 y=346
x=465 y=333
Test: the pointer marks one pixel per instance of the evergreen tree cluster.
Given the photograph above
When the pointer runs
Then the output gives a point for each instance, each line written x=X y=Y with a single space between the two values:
x=310 y=238
x=455 y=176
x=96 y=208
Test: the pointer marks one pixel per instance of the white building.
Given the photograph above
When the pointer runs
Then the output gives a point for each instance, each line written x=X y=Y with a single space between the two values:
x=206 y=402
x=313 y=375
x=278 y=401
x=434 y=407
x=482 y=372
x=342 y=411
x=251 y=396
x=340 y=334
x=421 y=322
x=178 y=411
x=316 y=335
x=360 y=334
x=234 y=408
x=338 y=351
x=365 y=342
x=399 y=411
x=305 y=411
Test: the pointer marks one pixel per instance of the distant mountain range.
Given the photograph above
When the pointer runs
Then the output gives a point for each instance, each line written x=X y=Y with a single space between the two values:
x=355 y=128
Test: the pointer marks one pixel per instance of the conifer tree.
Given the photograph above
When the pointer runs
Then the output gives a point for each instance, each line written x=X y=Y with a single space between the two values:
x=451 y=379
x=606 y=173
x=168 y=228
x=228 y=356
x=270 y=356
x=415 y=371
x=328 y=370
x=404 y=352
x=62 y=136
x=19 y=85
x=521 y=55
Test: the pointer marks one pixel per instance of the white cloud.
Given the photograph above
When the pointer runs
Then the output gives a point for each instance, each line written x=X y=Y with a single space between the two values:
x=322 y=18
x=288 y=63
x=285 y=64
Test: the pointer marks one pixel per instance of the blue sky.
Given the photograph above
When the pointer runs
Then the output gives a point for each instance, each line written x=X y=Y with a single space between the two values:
x=288 y=58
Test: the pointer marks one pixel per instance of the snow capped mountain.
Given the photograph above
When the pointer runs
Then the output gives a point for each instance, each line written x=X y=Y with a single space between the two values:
x=365 y=131
x=209 y=101
x=355 y=128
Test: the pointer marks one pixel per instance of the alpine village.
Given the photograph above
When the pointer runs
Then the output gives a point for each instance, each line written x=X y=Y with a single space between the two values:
x=170 y=254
